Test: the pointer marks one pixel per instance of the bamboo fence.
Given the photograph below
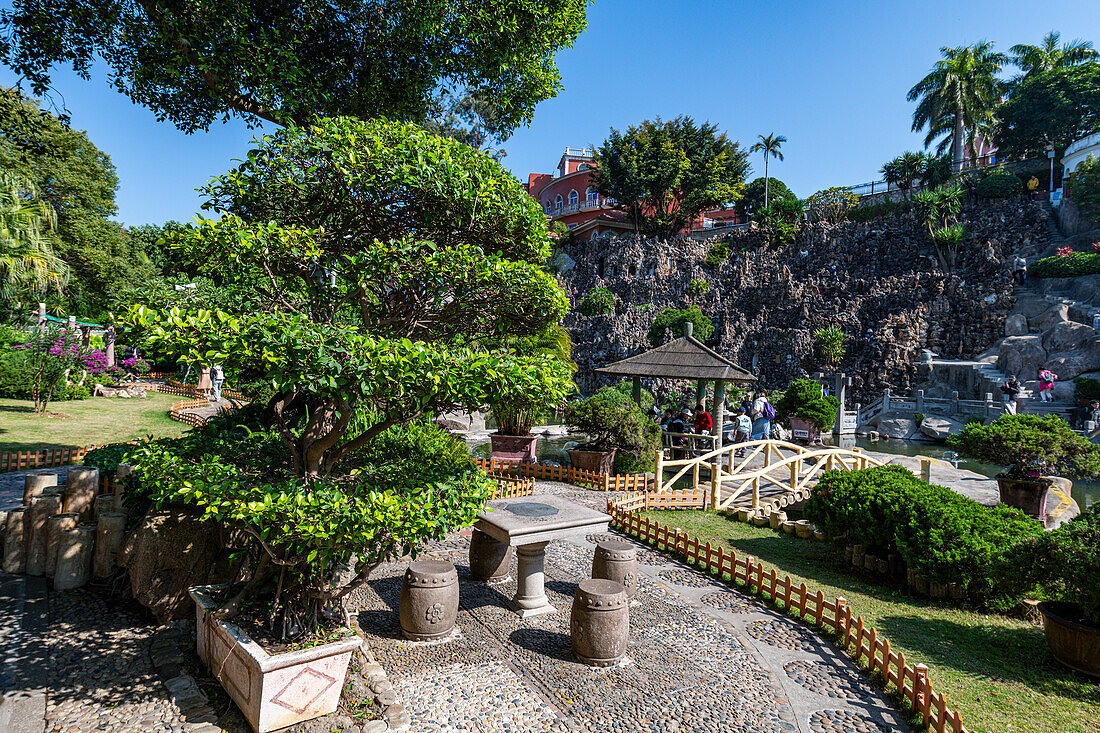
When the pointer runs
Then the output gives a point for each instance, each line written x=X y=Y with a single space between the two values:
x=511 y=487
x=568 y=474
x=854 y=635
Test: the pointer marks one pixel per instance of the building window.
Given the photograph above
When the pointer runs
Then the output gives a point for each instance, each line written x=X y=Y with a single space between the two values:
x=557 y=202
x=591 y=196
x=583 y=167
x=573 y=197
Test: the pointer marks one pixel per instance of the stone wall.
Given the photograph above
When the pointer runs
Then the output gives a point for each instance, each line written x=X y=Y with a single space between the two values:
x=879 y=281
x=1071 y=221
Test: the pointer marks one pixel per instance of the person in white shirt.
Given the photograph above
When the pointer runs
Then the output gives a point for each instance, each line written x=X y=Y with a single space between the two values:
x=744 y=430
x=1019 y=270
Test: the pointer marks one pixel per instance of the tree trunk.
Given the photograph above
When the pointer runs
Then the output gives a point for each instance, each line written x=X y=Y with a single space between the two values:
x=765 y=179
x=957 y=142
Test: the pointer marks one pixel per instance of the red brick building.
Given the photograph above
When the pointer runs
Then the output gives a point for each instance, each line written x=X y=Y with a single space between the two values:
x=568 y=196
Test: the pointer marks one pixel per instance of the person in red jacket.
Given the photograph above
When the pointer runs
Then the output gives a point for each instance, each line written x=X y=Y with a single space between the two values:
x=703 y=423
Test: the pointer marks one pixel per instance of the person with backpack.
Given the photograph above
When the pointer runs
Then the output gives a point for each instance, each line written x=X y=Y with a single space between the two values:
x=1047 y=379
x=1011 y=390
x=217 y=379
x=762 y=415
x=744 y=430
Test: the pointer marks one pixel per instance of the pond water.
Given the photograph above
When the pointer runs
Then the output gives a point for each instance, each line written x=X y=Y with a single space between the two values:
x=549 y=449
x=1085 y=493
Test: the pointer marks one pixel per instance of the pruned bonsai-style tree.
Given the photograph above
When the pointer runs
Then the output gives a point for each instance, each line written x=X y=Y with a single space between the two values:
x=1031 y=445
x=381 y=261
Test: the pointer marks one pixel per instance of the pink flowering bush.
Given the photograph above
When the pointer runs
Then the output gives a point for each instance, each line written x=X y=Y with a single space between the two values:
x=135 y=365
x=1065 y=251
x=54 y=353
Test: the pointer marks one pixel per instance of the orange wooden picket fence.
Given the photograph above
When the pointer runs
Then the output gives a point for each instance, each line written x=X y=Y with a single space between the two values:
x=834 y=615
x=511 y=487
x=569 y=475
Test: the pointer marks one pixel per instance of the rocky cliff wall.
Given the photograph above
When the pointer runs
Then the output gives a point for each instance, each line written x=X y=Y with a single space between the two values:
x=879 y=281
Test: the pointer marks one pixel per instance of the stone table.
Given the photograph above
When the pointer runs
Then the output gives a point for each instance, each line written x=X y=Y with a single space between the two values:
x=529 y=524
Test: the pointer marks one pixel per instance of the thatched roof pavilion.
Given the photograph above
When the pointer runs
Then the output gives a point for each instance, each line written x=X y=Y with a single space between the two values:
x=683 y=358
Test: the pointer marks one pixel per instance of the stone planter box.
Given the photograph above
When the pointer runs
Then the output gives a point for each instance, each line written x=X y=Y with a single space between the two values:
x=272 y=691
x=593 y=460
x=1028 y=495
x=803 y=430
x=520 y=448
x=1073 y=643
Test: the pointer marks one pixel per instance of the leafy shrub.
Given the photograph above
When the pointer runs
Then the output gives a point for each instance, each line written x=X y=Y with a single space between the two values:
x=1085 y=389
x=999 y=184
x=803 y=400
x=107 y=458
x=598 y=302
x=1085 y=188
x=613 y=421
x=867 y=213
x=1031 y=445
x=1071 y=265
x=918 y=418
x=718 y=253
x=673 y=319
x=940 y=534
x=10 y=335
x=831 y=204
x=72 y=392
x=832 y=343
x=698 y=286
x=781 y=220
x=627 y=388
x=1069 y=557
x=14 y=378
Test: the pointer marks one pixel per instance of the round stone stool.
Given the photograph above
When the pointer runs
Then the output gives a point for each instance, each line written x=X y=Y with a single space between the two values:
x=490 y=560
x=618 y=561
x=428 y=605
x=599 y=624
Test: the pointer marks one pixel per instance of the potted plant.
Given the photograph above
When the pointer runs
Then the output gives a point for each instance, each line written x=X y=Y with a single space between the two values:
x=513 y=440
x=1072 y=580
x=806 y=410
x=1037 y=450
x=613 y=423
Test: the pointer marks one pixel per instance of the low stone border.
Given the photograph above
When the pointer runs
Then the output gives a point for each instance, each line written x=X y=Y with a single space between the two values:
x=394 y=714
x=182 y=688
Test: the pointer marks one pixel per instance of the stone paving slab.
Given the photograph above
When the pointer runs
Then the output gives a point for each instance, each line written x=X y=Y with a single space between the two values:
x=693 y=664
x=12 y=483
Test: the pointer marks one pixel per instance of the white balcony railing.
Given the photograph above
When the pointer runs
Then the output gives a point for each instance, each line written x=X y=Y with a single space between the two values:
x=588 y=205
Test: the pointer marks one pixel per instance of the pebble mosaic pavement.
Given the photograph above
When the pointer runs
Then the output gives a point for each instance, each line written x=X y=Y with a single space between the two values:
x=702 y=657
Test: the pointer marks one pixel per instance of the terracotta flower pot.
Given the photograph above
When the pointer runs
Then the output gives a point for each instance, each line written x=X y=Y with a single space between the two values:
x=1074 y=643
x=517 y=448
x=593 y=460
x=272 y=690
x=1028 y=495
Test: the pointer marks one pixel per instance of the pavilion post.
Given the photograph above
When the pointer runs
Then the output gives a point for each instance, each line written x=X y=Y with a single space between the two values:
x=718 y=417
x=636 y=391
x=701 y=391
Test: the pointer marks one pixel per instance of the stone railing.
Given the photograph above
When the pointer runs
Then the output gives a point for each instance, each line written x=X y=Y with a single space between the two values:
x=834 y=616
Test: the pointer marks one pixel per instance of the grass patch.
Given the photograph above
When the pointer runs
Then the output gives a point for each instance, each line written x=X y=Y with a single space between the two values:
x=93 y=421
x=997 y=671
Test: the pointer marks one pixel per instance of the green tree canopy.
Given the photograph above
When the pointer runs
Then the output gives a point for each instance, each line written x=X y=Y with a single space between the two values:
x=673 y=320
x=380 y=260
x=752 y=199
x=78 y=181
x=1053 y=107
x=665 y=174
x=195 y=63
x=957 y=100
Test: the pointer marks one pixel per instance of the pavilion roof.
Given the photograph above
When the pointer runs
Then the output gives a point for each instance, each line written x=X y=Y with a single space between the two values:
x=682 y=358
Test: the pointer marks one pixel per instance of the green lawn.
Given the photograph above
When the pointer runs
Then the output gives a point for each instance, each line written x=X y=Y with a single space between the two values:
x=996 y=670
x=85 y=422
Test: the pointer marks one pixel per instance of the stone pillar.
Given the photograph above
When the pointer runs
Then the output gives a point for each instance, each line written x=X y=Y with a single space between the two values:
x=885 y=401
x=41 y=315
x=74 y=558
x=104 y=503
x=15 y=546
x=42 y=508
x=125 y=470
x=55 y=525
x=81 y=488
x=530 y=598
x=920 y=400
x=841 y=394
x=35 y=484
x=72 y=325
x=108 y=540
x=954 y=403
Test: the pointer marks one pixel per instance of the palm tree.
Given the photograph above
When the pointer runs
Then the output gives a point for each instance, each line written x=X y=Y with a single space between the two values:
x=770 y=146
x=27 y=260
x=1048 y=56
x=904 y=170
x=958 y=98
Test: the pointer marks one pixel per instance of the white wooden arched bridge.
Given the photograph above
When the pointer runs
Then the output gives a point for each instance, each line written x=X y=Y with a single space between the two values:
x=770 y=472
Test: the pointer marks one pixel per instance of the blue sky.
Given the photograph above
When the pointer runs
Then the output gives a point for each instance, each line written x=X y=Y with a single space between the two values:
x=831 y=76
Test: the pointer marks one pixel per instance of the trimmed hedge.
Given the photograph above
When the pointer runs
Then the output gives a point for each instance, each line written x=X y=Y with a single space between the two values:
x=999 y=184
x=598 y=302
x=1071 y=265
x=943 y=536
